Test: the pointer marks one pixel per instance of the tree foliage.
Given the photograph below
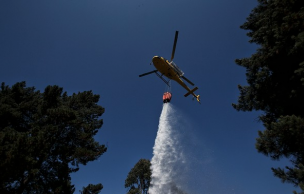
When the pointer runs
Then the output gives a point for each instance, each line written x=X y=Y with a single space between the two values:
x=138 y=179
x=45 y=136
x=92 y=189
x=275 y=76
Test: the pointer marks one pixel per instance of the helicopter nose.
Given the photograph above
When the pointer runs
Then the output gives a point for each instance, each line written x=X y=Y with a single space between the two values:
x=156 y=59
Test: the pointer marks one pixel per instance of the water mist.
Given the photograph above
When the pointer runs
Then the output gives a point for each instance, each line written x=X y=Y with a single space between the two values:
x=168 y=157
x=181 y=163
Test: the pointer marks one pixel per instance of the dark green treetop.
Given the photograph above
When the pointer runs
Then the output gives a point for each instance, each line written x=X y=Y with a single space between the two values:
x=45 y=136
x=92 y=189
x=275 y=76
x=138 y=179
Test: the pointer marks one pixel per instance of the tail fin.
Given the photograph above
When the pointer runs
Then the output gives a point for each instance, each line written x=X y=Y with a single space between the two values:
x=192 y=92
x=197 y=98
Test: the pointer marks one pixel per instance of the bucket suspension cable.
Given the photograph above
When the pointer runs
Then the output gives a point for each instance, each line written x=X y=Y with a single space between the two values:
x=168 y=87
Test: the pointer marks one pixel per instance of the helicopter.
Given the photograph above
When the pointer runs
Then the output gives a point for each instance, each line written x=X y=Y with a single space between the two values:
x=169 y=69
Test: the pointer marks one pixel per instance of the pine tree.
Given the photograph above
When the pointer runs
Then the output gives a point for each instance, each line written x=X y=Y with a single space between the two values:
x=91 y=189
x=45 y=136
x=275 y=76
x=138 y=179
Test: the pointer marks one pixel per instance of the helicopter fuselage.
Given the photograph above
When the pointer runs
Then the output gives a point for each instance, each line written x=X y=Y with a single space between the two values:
x=170 y=70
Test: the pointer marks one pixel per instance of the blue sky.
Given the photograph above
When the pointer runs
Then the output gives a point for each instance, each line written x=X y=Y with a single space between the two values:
x=103 y=45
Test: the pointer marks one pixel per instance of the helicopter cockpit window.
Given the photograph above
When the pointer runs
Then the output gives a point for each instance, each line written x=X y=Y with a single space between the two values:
x=177 y=69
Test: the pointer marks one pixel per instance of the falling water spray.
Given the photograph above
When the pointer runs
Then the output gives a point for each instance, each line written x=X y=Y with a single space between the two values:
x=181 y=163
x=168 y=156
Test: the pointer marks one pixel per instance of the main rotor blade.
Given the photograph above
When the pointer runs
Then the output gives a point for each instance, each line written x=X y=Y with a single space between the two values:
x=174 y=45
x=154 y=71
x=187 y=80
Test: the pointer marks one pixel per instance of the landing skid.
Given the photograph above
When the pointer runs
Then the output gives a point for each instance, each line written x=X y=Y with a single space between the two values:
x=161 y=77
